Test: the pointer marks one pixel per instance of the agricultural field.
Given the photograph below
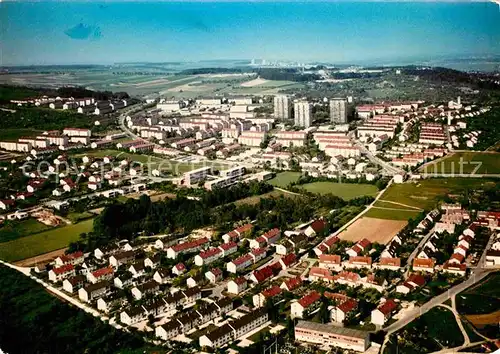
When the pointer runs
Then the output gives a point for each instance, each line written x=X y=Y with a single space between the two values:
x=390 y=214
x=489 y=163
x=283 y=179
x=426 y=193
x=12 y=230
x=375 y=230
x=14 y=134
x=343 y=190
x=433 y=331
x=256 y=198
x=43 y=242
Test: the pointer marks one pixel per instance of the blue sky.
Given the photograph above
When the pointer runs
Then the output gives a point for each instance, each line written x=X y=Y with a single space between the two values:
x=57 y=32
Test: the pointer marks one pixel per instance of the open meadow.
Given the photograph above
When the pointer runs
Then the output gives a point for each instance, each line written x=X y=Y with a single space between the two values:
x=375 y=230
x=343 y=190
x=43 y=242
x=466 y=163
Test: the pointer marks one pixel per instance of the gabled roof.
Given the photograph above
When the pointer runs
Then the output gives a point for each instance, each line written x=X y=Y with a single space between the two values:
x=210 y=253
x=246 y=319
x=360 y=260
x=240 y=280
x=244 y=228
x=289 y=259
x=219 y=332
x=330 y=258
x=458 y=256
x=102 y=272
x=318 y=225
x=75 y=280
x=309 y=299
x=272 y=291
x=390 y=261
x=63 y=269
x=216 y=272
x=263 y=274
x=242 y=259
x=423 y=262
x=364 y=243
x=348 y=305
x=388 y=306
x=417 y=279
x=329 y=242
x=293 y=283
x=271 y=233
x=228 y=246
x=69 y=257
x=180 y=267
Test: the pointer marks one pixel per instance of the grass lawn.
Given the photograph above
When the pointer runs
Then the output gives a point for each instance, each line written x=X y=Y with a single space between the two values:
x=153 y=162
x=343 y=190
x=400 y=214
x=490 y=163
x=482 y=299
x=283 y=179
x=43 y=242
x=77 y=217
x=256 y=198
x=12 y=230
x=425 y=193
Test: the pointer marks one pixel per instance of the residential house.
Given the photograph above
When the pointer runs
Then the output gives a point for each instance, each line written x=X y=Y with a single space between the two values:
x=288 y=260
x=120 y=258
x=261 y=275
x=179 y=269
x=228 y=248
x=60 y=273
x=191 y=295
x=137 y=269
x=133 y=315
x=413 y=282
x=359 y=262
x=93 y=291
x=304 y=306
x=207 y=257
x=291 y=283
x=217 y=338
x=168 y=330
x=99 y=275
x=424 y=265
x=214 y=275
x=148 y=287
x=330 y=261
x=110 y=302
x=237 y=285
x=343 y=311
x=152 y=261
x=315 y=228
x=384 y=312
x=74 y=283
x=71 y=258
x=161 y=275
x=269 y=294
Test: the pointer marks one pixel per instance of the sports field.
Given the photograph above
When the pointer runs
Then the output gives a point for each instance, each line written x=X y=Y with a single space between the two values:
x=343 y=190
x=43 y=242
x=375 y=230
x=466 y=163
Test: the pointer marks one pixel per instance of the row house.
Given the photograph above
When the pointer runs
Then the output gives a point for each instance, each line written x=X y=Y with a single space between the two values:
x=413 y=282
x=304 y=306
x=94 y=291
x=208 y=256
x=424 y=265
x=287 y=261
x=108 y=250
x=240 y=263
x=138 y=269
x=73 y=283
x=179 y=269
x=214 y=275
x=330 y=261
x=161 y=276
x=187 y=247
x=291 y=244
x=237 y=286
x=98 y=275
x=109 y=302
x=359 y=262
x=315 y=228
x=120 y=258
x=360 y=247
x=291 y=284
x=71 y=258
x=228 y=248
x=60 y=273
x=343 y=311
x=261 y=275
x=271 y=294
x=149 y=287
x=326 y=246
x=321 y=274
x=388 y=263
x=384 y=312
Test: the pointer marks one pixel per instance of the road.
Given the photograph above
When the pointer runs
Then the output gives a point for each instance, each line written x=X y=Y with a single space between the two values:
x=417 y=250
x=387 y=167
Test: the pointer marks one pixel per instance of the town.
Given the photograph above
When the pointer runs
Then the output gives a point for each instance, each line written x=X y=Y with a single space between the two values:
x=228 y=223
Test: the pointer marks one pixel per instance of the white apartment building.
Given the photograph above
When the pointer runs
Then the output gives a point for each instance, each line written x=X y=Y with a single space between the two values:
x=302 y=114
x=195 y=176
x=338 y=110
x=282 y=107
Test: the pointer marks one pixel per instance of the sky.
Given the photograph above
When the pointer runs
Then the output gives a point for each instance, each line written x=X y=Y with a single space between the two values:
x=55 y=32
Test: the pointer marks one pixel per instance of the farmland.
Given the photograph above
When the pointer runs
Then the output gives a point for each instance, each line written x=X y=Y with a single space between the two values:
x=343 y=190
x=466 y=163
x=391 y=214
x=426 y=193
x=375 y=230
x=481 y=299
x=43 y=242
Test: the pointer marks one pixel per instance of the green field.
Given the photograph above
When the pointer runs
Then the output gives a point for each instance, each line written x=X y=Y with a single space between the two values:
x=399 y=214
x=283 y=179
x=43 y=242
x=425 y=194
x=12 y=230
x=153 y=162
x=490 y=163
x=481 y=299
x=343 y=190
